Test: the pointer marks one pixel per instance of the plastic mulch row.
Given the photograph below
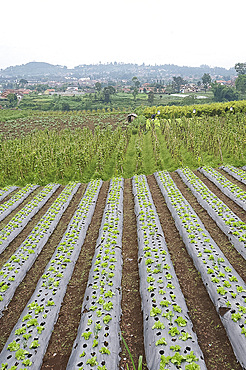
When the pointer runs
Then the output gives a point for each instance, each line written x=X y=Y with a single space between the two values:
x=7 y=207
x=6 y=191
x=29 y=339
x=225 y=287
x=15 y=269
x=21 y=219
x=235 y=172
x=168 y=331
x=98 y=342
x=232 y=191
x=231 y=225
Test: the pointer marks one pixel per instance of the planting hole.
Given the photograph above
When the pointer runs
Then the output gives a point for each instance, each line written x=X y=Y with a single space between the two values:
x=161 y=352
x=105 y=343
x=84 y=345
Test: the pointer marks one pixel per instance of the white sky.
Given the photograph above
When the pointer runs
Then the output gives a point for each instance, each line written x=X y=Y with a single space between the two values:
x=182 y=32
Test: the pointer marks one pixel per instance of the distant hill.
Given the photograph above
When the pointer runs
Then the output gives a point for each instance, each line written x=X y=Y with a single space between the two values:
x=117 y=71
x=34 y=69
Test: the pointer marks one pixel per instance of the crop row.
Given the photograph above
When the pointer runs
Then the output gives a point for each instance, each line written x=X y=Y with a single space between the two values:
x=227 y=220
x=237 y=173
x=169 y=339
x=98 y=341
x=28 y=341
x=226 y=288
x=20 y=220
x=6 y=191
x=15 y=269
x=168 y=335
x=233 y=191
x=7 y=207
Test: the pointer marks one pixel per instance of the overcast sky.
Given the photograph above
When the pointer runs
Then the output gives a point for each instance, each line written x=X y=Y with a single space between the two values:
x=182 y=32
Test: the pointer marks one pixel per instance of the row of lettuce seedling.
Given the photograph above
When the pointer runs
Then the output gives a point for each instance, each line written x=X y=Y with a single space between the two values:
x=7 y=207
x=226 y=288
x=169 y=339
x=15 y=269
x=29 y=339
x=228 y=221
x=238 y=173
x=21 y=218
x=6 y=191
x=98 y=343
x=231 y=190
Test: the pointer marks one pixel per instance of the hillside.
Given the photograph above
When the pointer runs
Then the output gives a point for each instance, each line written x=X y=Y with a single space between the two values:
x=115 y=71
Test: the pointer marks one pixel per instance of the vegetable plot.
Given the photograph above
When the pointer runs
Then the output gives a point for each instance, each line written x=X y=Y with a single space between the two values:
x=6 y=191
x=20 y=220
x=233 y=191
x=29 y=339
x=15 y=269
x=7 y=207
x=226 y=288
x=227 y=221
x=98 y=343
x=237 y=173
x=168 y=334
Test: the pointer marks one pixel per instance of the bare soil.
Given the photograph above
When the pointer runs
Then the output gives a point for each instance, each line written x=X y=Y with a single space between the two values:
x=211 y=335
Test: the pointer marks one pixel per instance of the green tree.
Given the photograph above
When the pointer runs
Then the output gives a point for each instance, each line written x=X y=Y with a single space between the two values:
x=12 y=99
x=23 y=82
x=151 y=96
x=177 y=82
x=136 y=82
x=241 y=83
x=107 y=92
x=224 y=93
x=98 y=86
x=240 y=68
x=65 y=106
x=206 y=80
x=135 y=93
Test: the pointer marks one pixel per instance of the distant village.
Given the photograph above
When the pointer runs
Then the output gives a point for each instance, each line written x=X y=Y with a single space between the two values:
x=70 y=84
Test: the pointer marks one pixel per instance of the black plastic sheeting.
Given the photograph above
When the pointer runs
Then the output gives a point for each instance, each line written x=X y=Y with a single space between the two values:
x=40 y=315
x=98 y=340
x=21 y=219
x=231 y=225
x=162 y=300
x=225 y=287
x=232 y=191
x=23 y=258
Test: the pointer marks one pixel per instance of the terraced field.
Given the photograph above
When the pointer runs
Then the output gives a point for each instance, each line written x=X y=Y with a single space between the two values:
x=159 y=259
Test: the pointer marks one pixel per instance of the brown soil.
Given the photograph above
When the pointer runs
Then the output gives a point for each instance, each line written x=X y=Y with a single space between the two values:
x=65 y=330
x=26 y=288
x=211 y=335
x=132 y=320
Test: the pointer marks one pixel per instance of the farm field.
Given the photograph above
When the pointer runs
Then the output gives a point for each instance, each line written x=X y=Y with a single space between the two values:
x=67 y=296
x=97 y=238
x=61 y=147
